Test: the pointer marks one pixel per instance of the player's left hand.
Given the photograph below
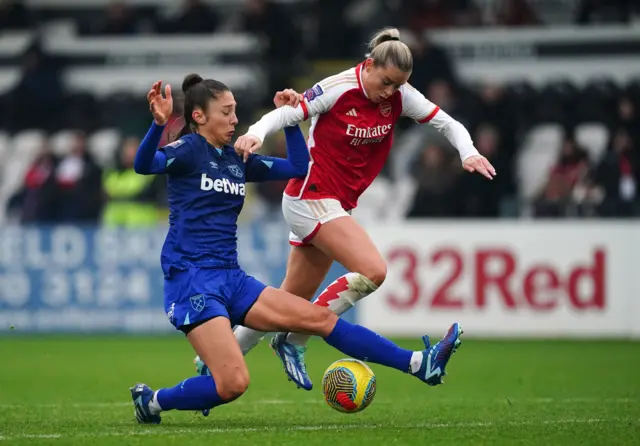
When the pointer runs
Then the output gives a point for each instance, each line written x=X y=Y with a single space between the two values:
x=246 y=145
x=478 y=163
x=287 y=97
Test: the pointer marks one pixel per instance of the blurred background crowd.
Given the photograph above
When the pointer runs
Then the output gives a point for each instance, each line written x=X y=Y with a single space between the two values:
x=549 y=89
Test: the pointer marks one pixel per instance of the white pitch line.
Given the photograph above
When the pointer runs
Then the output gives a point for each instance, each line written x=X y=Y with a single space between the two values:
x=331 y=427
x=41 y=436
x=578 y=400
x=90 y=405
x=267 y=402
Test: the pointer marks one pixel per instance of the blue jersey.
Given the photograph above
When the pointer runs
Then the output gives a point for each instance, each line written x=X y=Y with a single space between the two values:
x=206 y=190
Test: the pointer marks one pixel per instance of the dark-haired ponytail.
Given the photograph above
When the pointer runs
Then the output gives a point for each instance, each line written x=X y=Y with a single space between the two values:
x=185 y=130
x=189 y=81
x=197 y=93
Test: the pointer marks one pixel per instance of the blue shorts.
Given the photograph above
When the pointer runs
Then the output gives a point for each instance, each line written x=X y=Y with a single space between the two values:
x=195 y=295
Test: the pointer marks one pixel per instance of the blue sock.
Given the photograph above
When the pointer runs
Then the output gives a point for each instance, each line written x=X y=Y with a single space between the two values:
x=195 y=393
x=361 y=343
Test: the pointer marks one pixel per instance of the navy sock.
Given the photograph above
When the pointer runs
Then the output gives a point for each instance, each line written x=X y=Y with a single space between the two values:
x=361 y=343
x=195 y=393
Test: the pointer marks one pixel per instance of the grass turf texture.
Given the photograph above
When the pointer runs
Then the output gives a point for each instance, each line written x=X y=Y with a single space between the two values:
x=74 y=391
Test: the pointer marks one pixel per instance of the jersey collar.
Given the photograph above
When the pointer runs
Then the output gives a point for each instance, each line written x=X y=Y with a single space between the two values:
x=218 y=150
x=359 y=77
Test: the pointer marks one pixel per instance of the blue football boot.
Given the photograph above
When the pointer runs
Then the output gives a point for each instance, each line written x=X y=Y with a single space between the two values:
x=292 y=358
x=141 y=394
x=202 y=370
x=436 y=357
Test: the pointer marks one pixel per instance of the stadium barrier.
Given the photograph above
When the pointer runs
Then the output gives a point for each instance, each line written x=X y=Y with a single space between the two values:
x=72 y=279
x=569 y=52
x=500 y=279
x=508 y=279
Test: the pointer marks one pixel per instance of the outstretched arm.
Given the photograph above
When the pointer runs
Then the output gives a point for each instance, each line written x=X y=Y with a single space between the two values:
x=291 y=109
x=266 y=168
x=277 y=120
x=149 y=160
x=416 y=106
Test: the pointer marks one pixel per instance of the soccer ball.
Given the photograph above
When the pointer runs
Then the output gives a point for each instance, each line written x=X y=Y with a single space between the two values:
x=349 y=385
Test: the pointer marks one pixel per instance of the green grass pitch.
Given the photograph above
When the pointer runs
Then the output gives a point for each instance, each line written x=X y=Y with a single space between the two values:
x=64 y=390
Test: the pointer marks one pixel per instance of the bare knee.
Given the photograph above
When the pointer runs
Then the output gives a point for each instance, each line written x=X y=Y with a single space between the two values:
x=375 y=271
x=233 y=386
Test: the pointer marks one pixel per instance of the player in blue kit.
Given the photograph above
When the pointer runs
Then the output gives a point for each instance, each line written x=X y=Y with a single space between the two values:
x=206 y=291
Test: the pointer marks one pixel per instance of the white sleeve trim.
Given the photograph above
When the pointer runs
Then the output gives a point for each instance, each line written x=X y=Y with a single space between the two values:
x=456 y=133
x=316 y=100
x=415 y=105
x=276 y=120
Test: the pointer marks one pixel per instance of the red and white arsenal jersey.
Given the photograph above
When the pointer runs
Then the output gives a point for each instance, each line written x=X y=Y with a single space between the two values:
x=350 y=136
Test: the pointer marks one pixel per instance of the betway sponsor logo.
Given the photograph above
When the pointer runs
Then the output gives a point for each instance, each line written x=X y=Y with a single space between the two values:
x=368 y=135
x=221 y=185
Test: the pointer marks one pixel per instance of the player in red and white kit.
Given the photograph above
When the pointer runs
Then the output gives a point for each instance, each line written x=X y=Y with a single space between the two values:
x=353 y=115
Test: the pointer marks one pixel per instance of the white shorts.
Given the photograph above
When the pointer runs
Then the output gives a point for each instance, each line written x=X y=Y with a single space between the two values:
x=305 y=217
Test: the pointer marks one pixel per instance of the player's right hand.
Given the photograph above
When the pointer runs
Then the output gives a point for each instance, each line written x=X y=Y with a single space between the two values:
x=161 y=107
x=246 y=145
x=287 y=97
